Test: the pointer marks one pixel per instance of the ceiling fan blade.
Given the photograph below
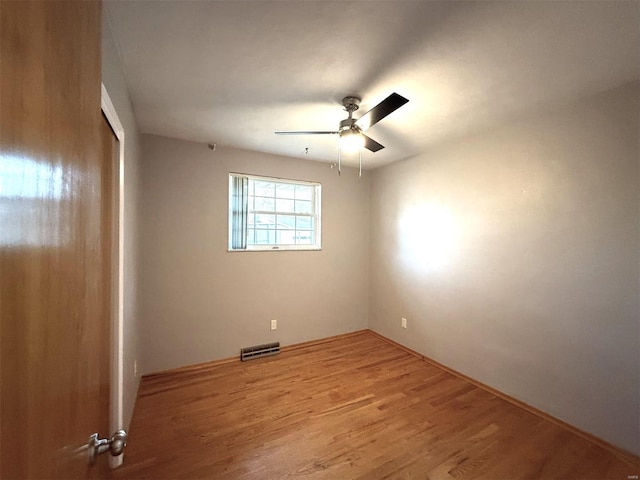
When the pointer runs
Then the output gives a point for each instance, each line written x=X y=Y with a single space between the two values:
x=307 y=133
x=384 y=108
x=371 y=144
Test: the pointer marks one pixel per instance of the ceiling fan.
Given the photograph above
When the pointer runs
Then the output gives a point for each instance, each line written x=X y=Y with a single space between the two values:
x=350 y=132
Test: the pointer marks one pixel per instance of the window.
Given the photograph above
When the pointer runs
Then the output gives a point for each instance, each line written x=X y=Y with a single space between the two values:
x=273 y=214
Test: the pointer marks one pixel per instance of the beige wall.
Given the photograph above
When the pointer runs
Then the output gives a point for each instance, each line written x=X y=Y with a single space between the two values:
x=514 y=255
x=200 y=302
x=114 y=81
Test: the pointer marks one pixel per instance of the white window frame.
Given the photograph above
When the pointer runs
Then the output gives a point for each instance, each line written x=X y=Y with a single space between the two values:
x=316 y=202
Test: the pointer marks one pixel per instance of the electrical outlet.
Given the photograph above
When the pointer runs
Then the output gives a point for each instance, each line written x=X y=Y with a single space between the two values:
x=274 y=324
x=404 y=322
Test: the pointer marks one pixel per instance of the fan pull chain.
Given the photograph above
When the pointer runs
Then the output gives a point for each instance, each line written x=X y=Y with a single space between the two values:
x=360 y=158
x=339 y=159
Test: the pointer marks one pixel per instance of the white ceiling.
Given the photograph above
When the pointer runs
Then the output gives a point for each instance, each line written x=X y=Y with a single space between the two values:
x=233 y=72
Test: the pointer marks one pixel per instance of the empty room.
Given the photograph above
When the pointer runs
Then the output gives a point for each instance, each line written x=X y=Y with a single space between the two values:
x=320 y=239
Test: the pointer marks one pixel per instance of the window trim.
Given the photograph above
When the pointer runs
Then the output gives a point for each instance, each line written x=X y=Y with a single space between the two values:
x=317 y=215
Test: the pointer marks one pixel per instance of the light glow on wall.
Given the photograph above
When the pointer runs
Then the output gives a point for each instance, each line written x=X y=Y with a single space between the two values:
x=428 y=236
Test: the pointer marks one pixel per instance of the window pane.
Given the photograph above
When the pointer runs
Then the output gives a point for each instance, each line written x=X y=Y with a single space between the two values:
x=264 y=204
x=250 y=220
x=304 y=237
x=264 y=189
x=251 y=236
x=286 y=221
x=285 y=190
x=262 y=237
x=304 y=223
x=304 y=192
x=284 y=205
x=285 y=237
x=265 y=222
x=303 y=206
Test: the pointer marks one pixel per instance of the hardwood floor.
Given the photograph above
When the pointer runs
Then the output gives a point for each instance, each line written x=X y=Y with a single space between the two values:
x=356 y=407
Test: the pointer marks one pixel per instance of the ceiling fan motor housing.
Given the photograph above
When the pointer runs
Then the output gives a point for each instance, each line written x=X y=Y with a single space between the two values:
x=348 y=124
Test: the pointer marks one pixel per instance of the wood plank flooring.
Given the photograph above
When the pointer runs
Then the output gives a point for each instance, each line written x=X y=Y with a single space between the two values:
x=356 y=407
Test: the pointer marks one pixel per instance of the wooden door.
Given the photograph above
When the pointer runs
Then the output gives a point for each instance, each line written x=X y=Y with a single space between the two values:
x=55 y=241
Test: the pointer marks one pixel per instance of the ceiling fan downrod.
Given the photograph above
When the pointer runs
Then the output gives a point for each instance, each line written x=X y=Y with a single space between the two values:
x=351 y=104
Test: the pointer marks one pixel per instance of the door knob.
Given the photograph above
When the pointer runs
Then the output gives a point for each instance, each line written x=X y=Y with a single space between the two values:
x=115 y=445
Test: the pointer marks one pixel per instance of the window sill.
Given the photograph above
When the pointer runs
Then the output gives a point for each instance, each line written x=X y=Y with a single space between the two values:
x=278 y=249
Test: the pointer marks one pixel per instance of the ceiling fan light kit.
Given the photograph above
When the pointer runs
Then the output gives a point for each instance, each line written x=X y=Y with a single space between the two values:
x=350 y=134
x=351 y=140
